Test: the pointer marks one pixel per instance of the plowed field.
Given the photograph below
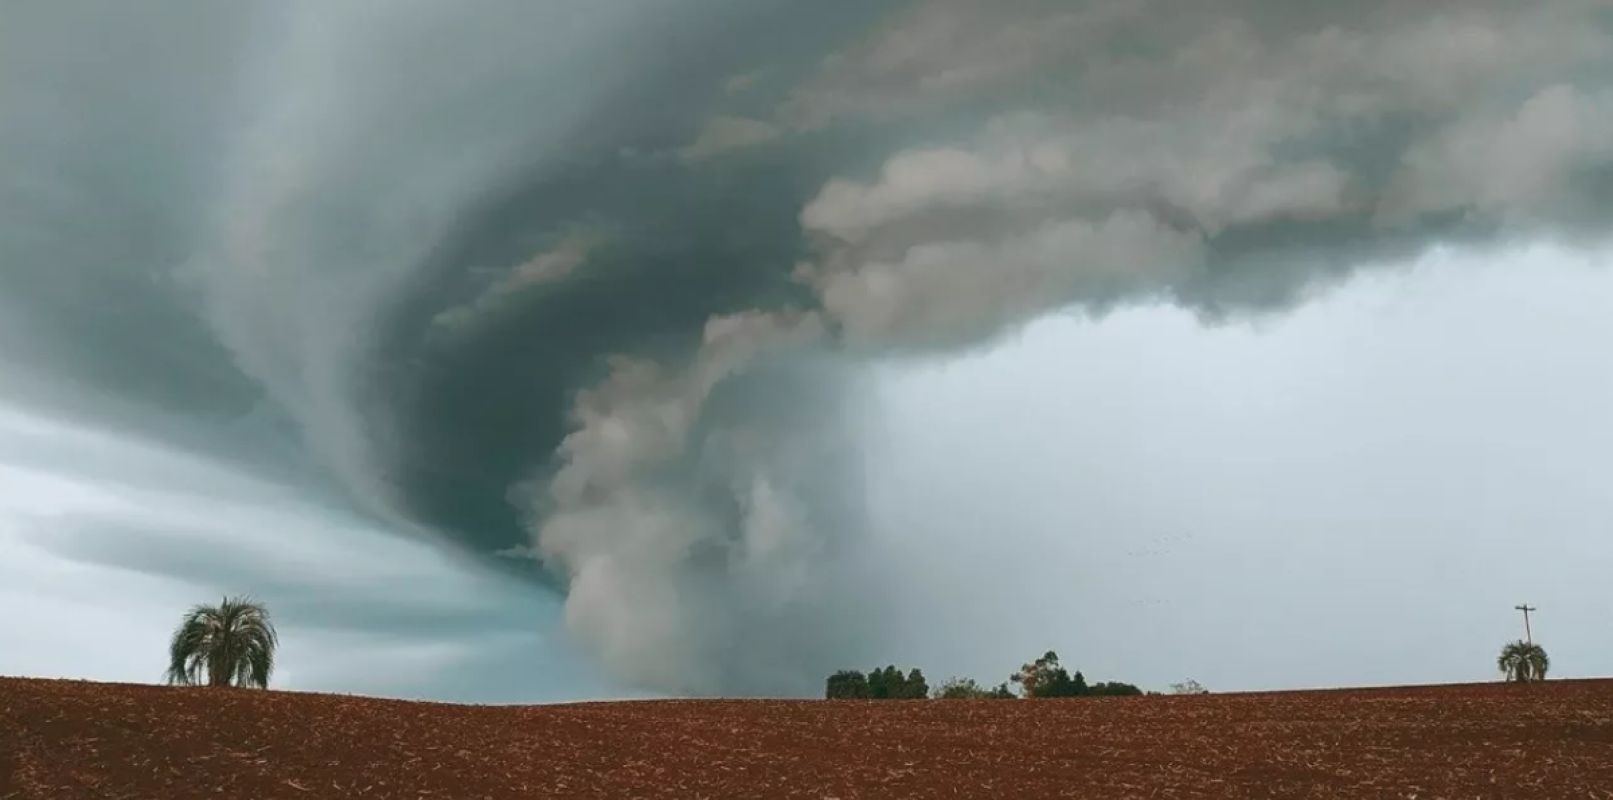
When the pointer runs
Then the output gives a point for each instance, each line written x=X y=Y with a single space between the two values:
x=65 y=739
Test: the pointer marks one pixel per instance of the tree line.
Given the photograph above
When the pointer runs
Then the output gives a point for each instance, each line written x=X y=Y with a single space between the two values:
x=234 y=643
x=1044 y=677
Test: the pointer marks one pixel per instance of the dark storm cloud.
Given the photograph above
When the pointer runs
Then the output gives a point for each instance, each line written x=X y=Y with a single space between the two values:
x=110 y=119
x=300 y=585
x=591 y=282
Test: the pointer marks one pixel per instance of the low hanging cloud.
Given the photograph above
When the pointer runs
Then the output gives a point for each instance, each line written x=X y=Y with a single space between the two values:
x=723 y=134
x=1395 y=124
x=959 y=292
x=594 y=286
x=549 y=266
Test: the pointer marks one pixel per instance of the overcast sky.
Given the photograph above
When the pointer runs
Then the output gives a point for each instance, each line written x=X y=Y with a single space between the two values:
x=555 y=349
x=1355 y=492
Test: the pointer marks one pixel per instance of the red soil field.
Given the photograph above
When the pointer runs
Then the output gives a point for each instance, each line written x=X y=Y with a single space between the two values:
x=70 y=739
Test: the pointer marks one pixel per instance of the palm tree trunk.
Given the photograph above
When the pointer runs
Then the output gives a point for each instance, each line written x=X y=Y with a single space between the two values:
x=218 y=663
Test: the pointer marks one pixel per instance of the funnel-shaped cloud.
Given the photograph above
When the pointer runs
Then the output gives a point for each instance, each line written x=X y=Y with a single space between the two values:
x=592 y=283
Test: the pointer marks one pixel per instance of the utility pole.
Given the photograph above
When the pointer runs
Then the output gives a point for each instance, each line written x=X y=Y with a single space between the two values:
x=1526 y=608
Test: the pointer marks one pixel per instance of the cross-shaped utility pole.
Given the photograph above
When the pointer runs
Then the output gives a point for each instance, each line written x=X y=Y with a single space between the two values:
x=1526 y=608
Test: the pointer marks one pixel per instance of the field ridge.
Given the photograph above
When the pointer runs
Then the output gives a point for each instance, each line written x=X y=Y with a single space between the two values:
x=70 y=739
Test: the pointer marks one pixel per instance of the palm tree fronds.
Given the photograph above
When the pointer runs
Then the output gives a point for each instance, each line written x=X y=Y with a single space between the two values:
x=231 y=644
x=1522 y=662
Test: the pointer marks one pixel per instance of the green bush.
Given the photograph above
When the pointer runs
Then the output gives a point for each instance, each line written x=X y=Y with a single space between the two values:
x=847 y=684
x=1114 y=689
x=886 y=683
x=1045 y=678
x=915 y=688
x=967 y=689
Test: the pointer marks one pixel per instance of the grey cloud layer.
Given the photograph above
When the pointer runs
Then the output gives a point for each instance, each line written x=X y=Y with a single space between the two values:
x=594 y=282
x=1228 y=134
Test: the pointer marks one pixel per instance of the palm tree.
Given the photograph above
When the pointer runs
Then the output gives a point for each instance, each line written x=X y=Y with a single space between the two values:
x=1522 y=662
x=231 y=644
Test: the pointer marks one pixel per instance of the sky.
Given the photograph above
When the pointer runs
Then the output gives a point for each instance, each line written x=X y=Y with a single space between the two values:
x=705 y=347
x=1356 y=492
x=107 y=539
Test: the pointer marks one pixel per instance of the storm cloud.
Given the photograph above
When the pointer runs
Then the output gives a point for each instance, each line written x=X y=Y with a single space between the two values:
x=589 y=291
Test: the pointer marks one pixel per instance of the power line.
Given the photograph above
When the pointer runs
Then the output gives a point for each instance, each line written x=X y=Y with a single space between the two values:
x=1526 y=608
